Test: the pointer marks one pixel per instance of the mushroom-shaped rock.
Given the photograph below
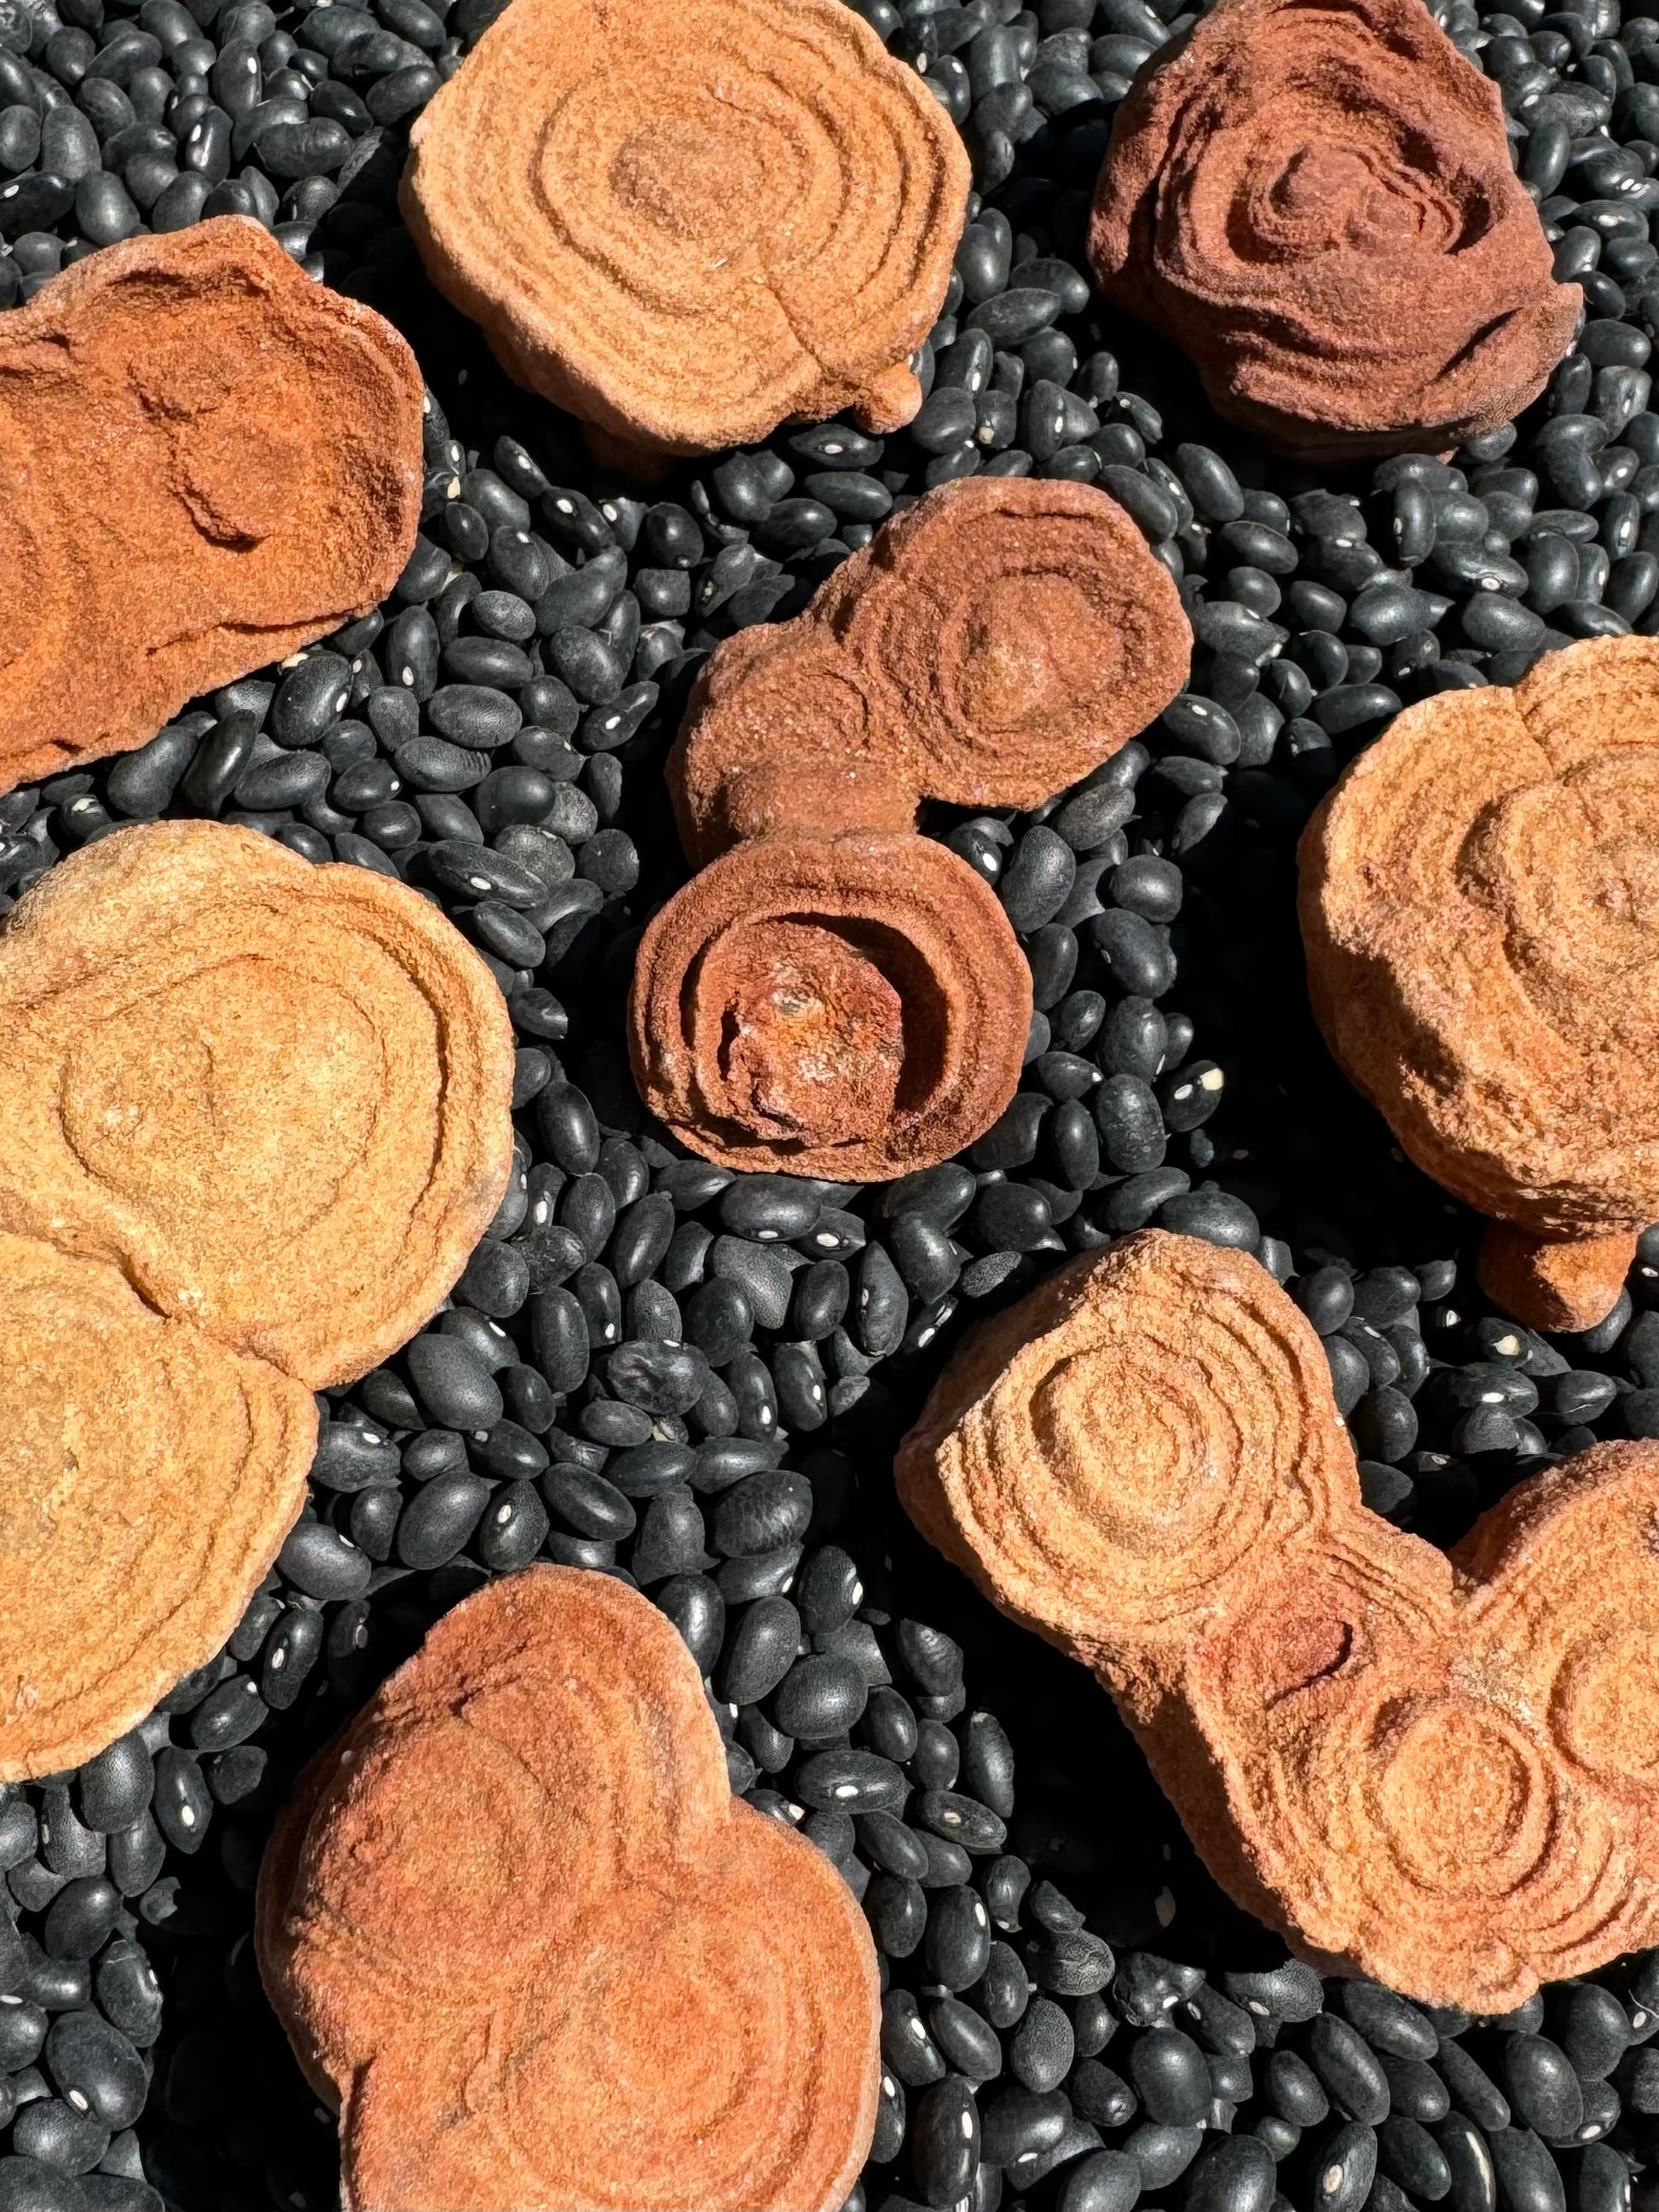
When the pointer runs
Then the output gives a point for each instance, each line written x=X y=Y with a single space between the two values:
x=628 y=1989
x=1479 y=903
x=688 y=220
x=148 y=1477
x=834 y=996
x=277 y=1096
x=1317 y=203
x=206 y=461
x=1435 y=1771
x=999 y=639
x=844 y=1006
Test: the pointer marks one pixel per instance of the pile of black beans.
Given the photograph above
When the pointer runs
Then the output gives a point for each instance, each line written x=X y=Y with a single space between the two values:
x=651 y=1368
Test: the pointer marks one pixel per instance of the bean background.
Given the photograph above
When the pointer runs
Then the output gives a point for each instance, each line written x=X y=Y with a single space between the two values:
x=651 y=1368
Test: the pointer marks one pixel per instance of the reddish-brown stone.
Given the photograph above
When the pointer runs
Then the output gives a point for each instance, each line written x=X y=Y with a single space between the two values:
x=206 y=461
x=1316 y=202
x=834 y=996
x=524 y=1937
x=848 y=1006
x=993 y=644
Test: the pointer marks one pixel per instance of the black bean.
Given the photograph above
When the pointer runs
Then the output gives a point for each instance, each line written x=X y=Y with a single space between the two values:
x=1170 y=2076
x=96 y=2068
x=1041 y=2048
x=670 y=1539
x=1347 y=2068
x=1236 y=2174
x=1135 y=952
x=958 y=1937
x=439 y=1519
x=1038 y=878
x=1131 y=1126
x=1010 y=1216
x=820 y=1699
x=897 y=1910
x=944 y=2139
x=65 y=2141
x=452 y=1383
x=136 y=1856
x=759 y=1654
x=1162 y=2150
x=1544 y=2091
x=322 y=1563
x=662 y=1378
x=80 y=1916
x=907 y=2049
x=182 y=1806
x=117 y=1785
x=1212 y=1214
x=1594 y=2028
x=697 y=1608
x=640 y=1470
x=1019 y=2124
x=761 y=1512
x=820 y=1299
x=228 y=1715
x=1104 y=2181
x=851 y=1782
x=1407 y=2153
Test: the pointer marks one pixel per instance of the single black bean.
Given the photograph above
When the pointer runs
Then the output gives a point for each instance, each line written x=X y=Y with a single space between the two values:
x=958 y=1937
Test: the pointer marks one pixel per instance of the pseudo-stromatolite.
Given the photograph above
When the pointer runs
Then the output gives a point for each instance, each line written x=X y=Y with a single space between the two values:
x=1314 y=198
x=688 y=220
x=845 y=1007
x=1436 y=1769
x=256 y=1116
x=834 y=996
x=993 y=644
x=206 y=461
x=1479 y=903
x=630 y=1989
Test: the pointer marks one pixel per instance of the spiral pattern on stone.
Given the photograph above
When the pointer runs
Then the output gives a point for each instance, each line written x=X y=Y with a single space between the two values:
x=277 y=1096
x=995 y=643
x=627 y=1990
x=850 y=1006
x=687 y=224
x=1317 y=203
x=147 y=1478
x=1479 y=904
x=1129 y=1442
x=1437 y=1771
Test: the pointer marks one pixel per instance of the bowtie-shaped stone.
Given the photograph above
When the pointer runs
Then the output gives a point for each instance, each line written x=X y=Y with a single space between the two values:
x=1437 y=1770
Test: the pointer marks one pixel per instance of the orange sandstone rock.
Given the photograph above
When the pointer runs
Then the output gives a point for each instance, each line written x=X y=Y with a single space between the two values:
x=148 y=1477
x=688 y=220
x=257 y=1114
x=206 y=461
x=834 y=996
x=1479 y=903
x=1437 y=1771
x=627 y=1990
x=275 y=1095
x=1316 y=201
